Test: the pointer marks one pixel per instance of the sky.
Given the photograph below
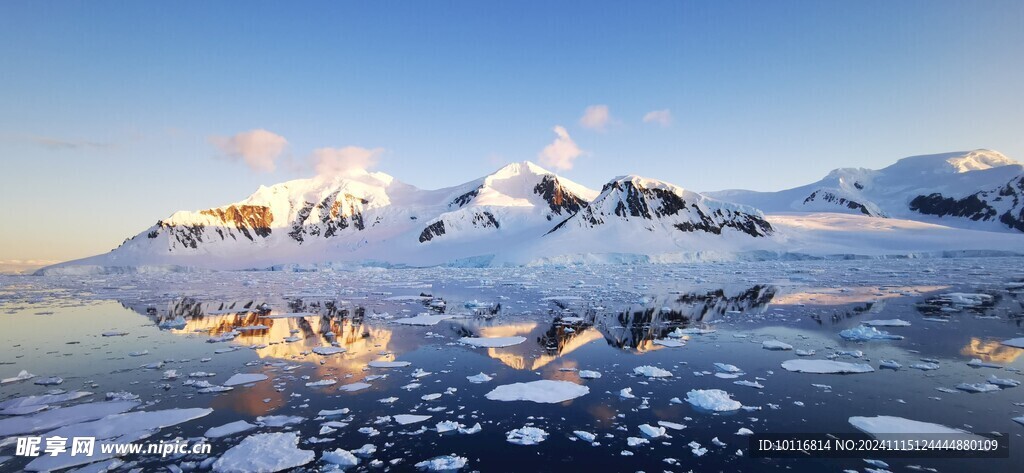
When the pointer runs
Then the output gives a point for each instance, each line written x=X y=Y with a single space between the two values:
x=114 y=115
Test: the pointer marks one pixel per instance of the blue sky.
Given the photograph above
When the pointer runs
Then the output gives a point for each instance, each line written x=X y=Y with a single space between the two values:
x=110 y=111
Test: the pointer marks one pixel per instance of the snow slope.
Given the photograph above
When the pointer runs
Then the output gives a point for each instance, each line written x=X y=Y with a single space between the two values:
x=934 y=188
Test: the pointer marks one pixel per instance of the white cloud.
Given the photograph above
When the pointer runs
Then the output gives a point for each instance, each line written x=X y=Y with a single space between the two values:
x=561 y=153
x=661 y=117
x=259 y=148
x=596 y=117
x=339 y=161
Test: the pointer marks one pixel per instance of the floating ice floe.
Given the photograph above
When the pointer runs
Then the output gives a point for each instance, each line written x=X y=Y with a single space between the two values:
x=443 y=463
x=322 y=383
x=668 y=342
x=651 y=372
x=116 y=333
x=977 y=387
x=588 y=374
x=327 y=351
x=424 y=319
x=353 y=387
x=479 y=378
x=229 y=429
x=584 y=436
x=977 y=363
x=749 y=384
x=887 y=323
x=1003 y=382
x=889 y=364
x=925 y=366
x=406 y=419
x=776 y=345
x=712 y=400
x=245 y=378
x=388 y=364
x=22 y=376
x=340 y=457
x=880 y=425
x=864 y=333
x=55 y=396
x=55 y=418
x=627 y=393
x=333 y=412
x=279 y=420
x=112 y=429
x=804 y=352
x=1014 y=342
x=266 y=453
x=652 y=431
x=49 y=381
x=671 y=425
x=680 y=332
x=542 y=391
x=744 y=431
x=526 y=436
x=494 y=342
x=826 y=367
x=636 y=441
x=727 y=368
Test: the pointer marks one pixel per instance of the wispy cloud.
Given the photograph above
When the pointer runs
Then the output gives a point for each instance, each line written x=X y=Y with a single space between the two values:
x=58 y=143
x=660 y=117
x=596 y=117
x=258 y=149
x=561 y=153
x=347 y=160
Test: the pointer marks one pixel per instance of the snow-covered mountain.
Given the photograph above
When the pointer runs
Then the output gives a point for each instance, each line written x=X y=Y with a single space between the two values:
x=523 y=214
x=372 y=217
x=970 y=189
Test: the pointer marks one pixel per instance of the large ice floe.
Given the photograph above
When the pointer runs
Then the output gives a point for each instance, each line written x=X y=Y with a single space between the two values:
x=826 y=366
x=864 y=333
x=544 y=391
x=879 y=426
x=264 y=453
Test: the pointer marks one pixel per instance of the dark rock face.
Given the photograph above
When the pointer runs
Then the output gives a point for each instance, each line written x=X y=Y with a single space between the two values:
x=432 y=231
x=980 y=206
x=245 y=218
x=337 y=212
x=826 y=196
x=560 y=200
x=656 y=203
x=464 y=198
x=485 y=219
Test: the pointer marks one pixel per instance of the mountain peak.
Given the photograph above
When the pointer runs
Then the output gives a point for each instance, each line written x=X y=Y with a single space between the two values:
x=519 y=168
x=957 y=162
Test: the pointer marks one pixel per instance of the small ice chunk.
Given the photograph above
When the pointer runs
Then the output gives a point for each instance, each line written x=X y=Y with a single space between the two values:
x=776 y=345
x=749 y=384
x=977 y=387
x=626 y=393
x=279 y=420
x=727 y=368
x=651 y=371
x=864 y=333
x=479 y=378
x=1003 y=382
x=584 y=436
x=744 y=431
x=22 y=376
x=245 y=378
x=327 y=351
x=443 y=463
x=341 y=457
x=322 y=383
x=671 y=425
x=652 y=431
x=712 y=400
x=228 y=429
x=406 y=419
x=588 y=374
x=526 y=436
x=353 y=387
x=388 y=364
x=887 y=323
